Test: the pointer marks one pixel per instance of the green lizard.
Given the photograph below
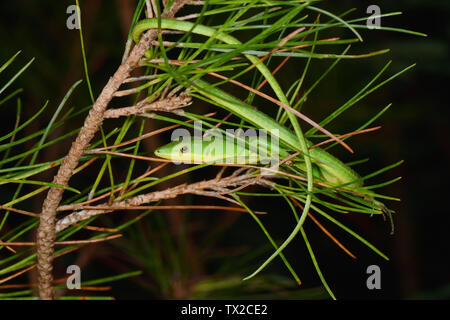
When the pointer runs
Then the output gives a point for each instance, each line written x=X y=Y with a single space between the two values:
x=326 y=167
x=333 y=169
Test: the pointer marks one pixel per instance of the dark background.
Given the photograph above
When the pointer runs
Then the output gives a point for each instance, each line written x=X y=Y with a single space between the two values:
x=415 y=129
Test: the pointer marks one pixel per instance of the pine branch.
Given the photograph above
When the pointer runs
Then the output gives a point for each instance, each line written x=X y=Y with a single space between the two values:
x=215 y=187
x=46 y=232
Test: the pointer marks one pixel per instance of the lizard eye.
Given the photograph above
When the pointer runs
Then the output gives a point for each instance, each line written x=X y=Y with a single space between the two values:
x=184 y=149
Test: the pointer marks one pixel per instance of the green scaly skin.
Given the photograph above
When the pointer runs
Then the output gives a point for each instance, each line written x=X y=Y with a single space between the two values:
x=333 y=170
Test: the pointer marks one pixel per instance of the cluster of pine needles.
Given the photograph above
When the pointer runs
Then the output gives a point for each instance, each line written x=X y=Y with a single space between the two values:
x=277 y=33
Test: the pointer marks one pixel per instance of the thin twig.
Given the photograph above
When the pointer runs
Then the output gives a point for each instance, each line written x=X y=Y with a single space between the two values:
x=149 y=9
x=167 y=105
x=141 y=78
x=168 y=207
x=26 y=213
x=170 y=193
x=127 y=50
x=155 y=8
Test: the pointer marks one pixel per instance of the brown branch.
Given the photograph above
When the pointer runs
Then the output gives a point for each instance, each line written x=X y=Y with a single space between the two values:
x=168 y=105
x=167 y=207
x=46 y=231
x=217 y=187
